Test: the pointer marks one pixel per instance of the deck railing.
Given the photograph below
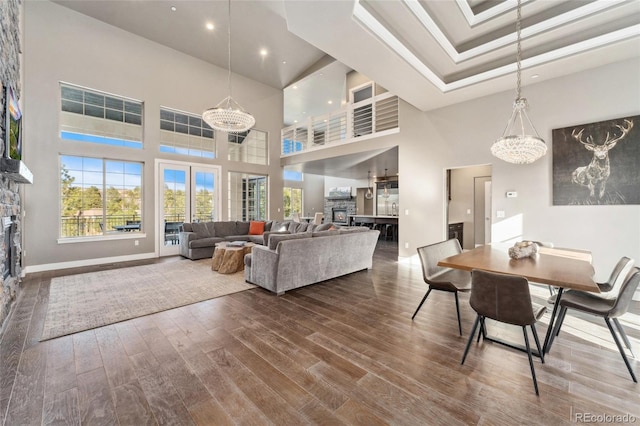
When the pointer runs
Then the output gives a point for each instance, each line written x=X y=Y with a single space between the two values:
x=366 y=118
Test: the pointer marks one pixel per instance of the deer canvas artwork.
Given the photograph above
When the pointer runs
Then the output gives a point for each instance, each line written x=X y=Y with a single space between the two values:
x=597 y=163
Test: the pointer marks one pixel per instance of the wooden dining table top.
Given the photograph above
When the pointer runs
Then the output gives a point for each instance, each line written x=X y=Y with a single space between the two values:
x=566 y=268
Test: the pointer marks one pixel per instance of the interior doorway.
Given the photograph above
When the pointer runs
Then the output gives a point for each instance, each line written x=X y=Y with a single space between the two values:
x=468 y=209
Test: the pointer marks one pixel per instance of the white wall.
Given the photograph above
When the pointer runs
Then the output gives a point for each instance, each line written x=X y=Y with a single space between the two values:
x=461 y=135
x=62 y=45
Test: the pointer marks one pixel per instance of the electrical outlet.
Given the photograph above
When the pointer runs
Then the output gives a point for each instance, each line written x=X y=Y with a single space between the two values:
x=406 y=245
x=500 y=213
x=136 y=242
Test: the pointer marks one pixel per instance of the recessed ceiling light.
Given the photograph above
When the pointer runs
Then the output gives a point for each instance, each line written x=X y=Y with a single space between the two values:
x=284 y=62
x=263 y=52
x=173 y=8
x=330 y=102
x=295 y=121
x=210 y=26
x=295 y=87
x=304 y=112
x=535 y=76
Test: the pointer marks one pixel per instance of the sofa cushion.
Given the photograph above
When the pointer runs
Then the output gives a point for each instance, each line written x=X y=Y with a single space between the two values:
x=326 y=233
x=200 y=228
x=256 y=228
x=237 y=238
x=186 y=227
x=279 y=226
x=258 y=239
x=267 y=225
x=211 y=226
x=324 y=227
x=353 y=229
x=225 y=228
x=205 y=242
x=274 y=239
x=242 y=228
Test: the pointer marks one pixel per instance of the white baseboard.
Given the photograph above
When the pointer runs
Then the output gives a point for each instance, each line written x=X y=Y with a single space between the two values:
x=88 y=262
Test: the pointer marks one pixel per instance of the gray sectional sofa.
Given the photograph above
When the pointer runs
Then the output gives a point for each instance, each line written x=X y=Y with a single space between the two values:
x=289 y=261
x=197 y=240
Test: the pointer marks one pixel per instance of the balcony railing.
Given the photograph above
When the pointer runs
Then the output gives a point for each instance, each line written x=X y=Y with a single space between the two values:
x=369 y=118
x=85 y=226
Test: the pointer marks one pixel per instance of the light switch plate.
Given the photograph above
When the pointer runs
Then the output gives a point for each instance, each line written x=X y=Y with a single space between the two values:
x=500 y=213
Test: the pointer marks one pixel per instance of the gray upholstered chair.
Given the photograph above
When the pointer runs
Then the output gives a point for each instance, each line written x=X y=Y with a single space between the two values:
x=609 y=309
x=440 y=278
x=608 y=286
x=504 y=298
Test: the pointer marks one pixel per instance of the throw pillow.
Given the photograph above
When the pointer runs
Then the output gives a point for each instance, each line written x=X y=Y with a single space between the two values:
x=256 y=228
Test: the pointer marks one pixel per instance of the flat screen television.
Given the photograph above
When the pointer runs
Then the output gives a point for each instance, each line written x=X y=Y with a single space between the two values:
x=13 y=126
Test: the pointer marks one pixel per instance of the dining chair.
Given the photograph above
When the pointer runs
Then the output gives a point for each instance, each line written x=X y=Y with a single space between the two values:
x=317 y=218
x=504 y=298
x=442 y=278
x=609 y=309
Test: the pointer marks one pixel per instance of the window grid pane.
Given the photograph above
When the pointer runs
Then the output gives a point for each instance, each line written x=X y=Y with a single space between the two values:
x=90 y=116
x=98 y=197
x=185 y=134
x=248 y=147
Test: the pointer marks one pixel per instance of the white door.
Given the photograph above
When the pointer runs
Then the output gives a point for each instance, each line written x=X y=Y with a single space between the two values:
x=186 y=194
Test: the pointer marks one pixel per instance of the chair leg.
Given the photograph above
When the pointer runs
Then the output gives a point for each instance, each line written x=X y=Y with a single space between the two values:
x=624 y=336
x=535 y=337
x=551 y=292
x=473 y=331
x=458 y=312
x=556 y=328
x=533 y=371
x=483 y=330
x=624 y=356
x=420 y=305
x=563 y=312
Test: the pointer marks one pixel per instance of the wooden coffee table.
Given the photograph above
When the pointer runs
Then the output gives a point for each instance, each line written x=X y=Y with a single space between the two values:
x=229 y=260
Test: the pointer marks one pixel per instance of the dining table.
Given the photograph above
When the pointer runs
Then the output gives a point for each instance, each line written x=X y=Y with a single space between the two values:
x=563 y=268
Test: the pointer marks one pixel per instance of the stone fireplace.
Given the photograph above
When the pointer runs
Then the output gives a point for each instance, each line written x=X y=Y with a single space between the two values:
x=338 y=209
x=10 y=198
x=339 y=215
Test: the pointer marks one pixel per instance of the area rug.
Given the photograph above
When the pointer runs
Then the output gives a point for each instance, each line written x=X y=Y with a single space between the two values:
x=85 y=301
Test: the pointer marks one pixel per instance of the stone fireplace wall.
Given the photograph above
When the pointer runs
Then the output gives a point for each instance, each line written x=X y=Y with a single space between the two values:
x=10 y=204
x=349 y=204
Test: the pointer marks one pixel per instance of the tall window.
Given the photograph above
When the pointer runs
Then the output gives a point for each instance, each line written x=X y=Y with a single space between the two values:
x=247 y=196
x=248 y=147
x=99 y=196
x=292 y=201
x=91 y=116
x=185 y=134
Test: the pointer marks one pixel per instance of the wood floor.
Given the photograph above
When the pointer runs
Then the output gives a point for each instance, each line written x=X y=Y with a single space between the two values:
x=341 y=352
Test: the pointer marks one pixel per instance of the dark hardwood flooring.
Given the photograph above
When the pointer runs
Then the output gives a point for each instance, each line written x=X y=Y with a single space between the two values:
x=341 y=352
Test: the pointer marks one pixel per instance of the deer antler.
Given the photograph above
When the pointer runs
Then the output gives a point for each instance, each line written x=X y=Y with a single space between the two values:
x=578 y=136
x=624 y=131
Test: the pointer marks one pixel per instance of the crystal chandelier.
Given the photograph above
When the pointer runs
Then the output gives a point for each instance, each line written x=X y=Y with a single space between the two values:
x=520 y=142
x=369 y=194
x=228 y=116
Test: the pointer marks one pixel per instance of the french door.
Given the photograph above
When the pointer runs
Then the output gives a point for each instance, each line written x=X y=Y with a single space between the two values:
x=186 y=193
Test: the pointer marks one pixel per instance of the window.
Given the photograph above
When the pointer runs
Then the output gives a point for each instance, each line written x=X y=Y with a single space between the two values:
x=99 y=196
x=247 y=196
x=96 y=117
x=248 y=147
x=185 y=134
x=292 y=201
x=292 y=175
